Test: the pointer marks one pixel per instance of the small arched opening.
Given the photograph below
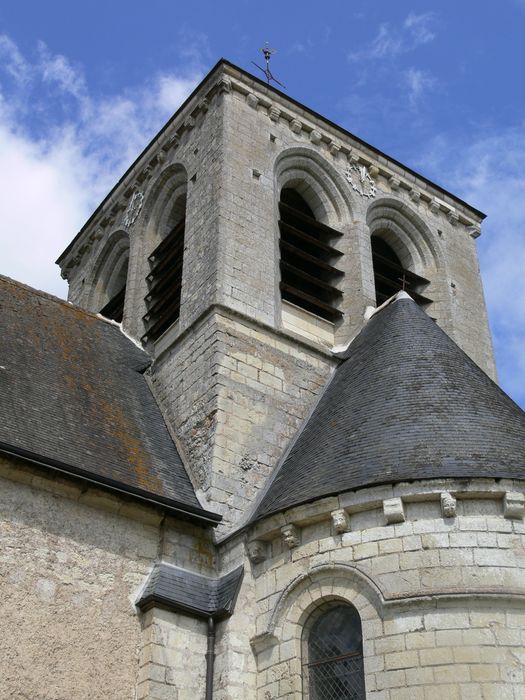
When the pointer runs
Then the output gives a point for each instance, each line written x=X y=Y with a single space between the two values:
x=309 y=276
x=333 y=650
x=164 y=279
x=391 y=275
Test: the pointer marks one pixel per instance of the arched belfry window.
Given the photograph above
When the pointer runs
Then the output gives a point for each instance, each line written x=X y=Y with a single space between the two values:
x=165 y=278
x=390 y=276
x=334 y=649
x=109 y=277
x=308 y=273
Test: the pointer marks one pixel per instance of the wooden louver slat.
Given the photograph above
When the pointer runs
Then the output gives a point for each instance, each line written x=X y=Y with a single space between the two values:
x=308 y=276
x=164 y=284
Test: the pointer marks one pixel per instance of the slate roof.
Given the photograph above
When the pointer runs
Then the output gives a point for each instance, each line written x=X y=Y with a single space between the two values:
x=406 y=403
x=186 y=591
x=73 y=397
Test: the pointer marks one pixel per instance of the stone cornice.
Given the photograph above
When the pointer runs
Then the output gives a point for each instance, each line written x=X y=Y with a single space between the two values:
x=225 y=79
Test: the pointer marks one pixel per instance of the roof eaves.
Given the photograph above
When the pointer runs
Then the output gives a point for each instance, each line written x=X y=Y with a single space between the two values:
x=180 y=510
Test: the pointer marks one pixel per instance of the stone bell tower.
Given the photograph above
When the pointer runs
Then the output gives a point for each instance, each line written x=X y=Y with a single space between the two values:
x=243 y=245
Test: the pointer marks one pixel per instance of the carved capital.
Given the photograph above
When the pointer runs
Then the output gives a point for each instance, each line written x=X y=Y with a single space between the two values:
x=252 y=100
x=514 y=505
x=434 y=206
x=290 y=535
x=257 y=551
x=334 y=148
x=452 y=217
x=448 y=505
x=296 y=126
x=224 y=84
x=274 y=113
x=172 y=142
x=394 y=182
x=393 y=510
x=340 y=521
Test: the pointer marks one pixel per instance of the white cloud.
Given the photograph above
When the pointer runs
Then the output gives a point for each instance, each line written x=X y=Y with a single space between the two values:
x=420 y=27
x=418 y=81
x=13 y=62
x=55 y=168
x=390 y=41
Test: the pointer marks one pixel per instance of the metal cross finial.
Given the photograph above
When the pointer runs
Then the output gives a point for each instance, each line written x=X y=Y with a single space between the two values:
x=268 y=53
x=403 y=281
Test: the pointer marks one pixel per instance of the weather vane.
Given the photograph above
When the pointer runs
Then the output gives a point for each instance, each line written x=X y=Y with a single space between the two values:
x=267 y=53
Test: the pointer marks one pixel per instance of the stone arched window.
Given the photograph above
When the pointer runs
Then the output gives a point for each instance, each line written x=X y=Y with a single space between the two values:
x=391 y=275
x=308 y=273
x=110 y=277
x=333 y=649
x=165 y=274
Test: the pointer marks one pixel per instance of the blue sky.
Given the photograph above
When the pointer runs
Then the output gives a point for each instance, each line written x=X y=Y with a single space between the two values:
x=438 y=86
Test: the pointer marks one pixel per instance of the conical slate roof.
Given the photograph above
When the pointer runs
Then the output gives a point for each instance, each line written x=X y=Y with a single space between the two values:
x=406 y=403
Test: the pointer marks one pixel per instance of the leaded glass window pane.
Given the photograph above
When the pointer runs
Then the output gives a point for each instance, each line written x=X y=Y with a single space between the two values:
x=335 y=656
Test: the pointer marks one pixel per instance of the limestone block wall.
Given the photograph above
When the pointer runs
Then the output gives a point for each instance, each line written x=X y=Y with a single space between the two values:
x=435 y=570
x=236 y=393
x=72 y=563
x=269 y=143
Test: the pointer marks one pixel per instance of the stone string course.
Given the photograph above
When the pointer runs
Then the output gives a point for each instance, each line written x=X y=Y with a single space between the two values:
x=441 y=597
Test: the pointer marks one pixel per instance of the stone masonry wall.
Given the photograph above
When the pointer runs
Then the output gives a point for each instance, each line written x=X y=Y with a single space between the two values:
x=237 y=393
x=438 y=581
x=72 y=563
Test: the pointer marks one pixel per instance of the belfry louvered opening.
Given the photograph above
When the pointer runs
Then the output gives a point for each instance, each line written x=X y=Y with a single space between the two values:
x=390 y=276
x=308 y=273
x=164 y=283
x=115 y=282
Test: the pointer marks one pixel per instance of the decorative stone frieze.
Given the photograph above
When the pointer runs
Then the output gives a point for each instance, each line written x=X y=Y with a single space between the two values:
x=274 y=113
x=448 y=505
x=296 y=126
x=315 y=137
x=361 y=181
x=393 y=511
x=257 y=551
x=340 y=521
x=252 y=100
x=513 y=505
x=133 y=210
x=291 y=536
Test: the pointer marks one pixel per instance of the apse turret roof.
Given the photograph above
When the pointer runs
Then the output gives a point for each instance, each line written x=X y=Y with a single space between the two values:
x=406 y=403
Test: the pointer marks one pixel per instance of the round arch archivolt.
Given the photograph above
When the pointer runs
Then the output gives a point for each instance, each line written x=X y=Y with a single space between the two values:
x=110 y=270
x=406 y=233
x=165 y=204
x=318 y=182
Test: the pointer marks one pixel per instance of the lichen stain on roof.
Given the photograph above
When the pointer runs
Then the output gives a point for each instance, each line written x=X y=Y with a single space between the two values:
x=73 y=392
